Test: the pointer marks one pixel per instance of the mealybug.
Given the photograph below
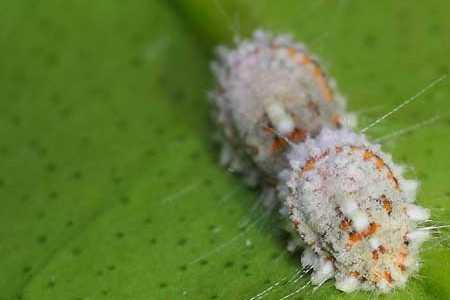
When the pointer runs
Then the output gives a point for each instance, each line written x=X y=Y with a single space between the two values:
x=271 y=91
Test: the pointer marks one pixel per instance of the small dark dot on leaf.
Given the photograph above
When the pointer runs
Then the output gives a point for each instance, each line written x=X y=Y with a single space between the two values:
x=40 y=215
x=65 y=112
x=183 y=268
x=150 y=153
x=203 y=262
x=111 y=267
x=122 y=125
x=69 y=223
x=195 y=155
x=182 y=242
x=163 y=285
x=51 y=284
x=25 y=198
x=77 y=175
x=50 y=167
x=42 y=239
x=86 y=141
x=117 y=180
x=245 y=267
x=148 y=221
x=119 y=235
x=125 y=199
x=26 y=269
x=53 y=195
x=135 y=62
x=76 y=251
x=16 y=120
x=159 y=131
x=229 y=264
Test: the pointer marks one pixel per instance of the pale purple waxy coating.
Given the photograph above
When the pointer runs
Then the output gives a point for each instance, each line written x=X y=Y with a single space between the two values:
x=270 y=89
x=352 y=207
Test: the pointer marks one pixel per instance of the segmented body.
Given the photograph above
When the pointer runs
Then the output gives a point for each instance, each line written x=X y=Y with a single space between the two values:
x=270 y=89
x=352 y=206
x=283 y=124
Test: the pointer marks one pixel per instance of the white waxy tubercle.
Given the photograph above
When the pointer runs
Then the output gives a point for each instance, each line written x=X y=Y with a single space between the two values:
x=410 y=189
x=347 y=284
x=418 y=236
x=324 y=272
x=280 y=119
x=374 y=243
x=360 y=221
x=383 y=286
x=417 y=213
x=309 y=258
x=349 y=208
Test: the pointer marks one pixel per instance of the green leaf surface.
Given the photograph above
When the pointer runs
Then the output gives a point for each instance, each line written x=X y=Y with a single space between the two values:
x=109 y=181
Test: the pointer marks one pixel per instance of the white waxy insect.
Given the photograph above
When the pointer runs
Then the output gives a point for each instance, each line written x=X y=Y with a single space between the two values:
x=368 y=233
x=270 y=91
x=283 y=124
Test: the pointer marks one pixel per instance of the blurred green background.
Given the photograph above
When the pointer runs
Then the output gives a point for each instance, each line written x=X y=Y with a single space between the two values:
x=109 y=182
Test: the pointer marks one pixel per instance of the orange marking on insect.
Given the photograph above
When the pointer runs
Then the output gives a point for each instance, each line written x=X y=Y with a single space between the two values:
x=367 y=155
x=388 y=276
x=354 y=274
x=392 y=178
x=401 y=258
x=345 y=224
x=292 y=52
x=336 y=120
x=331 y=258
x=268 y=130
x=278 y=144
x=305 y=59
x=375 y=255
x=373 y=228
x=297 y=135
x=310 y=164
x=379 y=163
x=355 y=237
x=323 y=85
x=387 y=204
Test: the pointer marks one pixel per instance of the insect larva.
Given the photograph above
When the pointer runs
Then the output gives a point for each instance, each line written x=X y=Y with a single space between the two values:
x=353 y=209
x=284 y=125
x=270 y=90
